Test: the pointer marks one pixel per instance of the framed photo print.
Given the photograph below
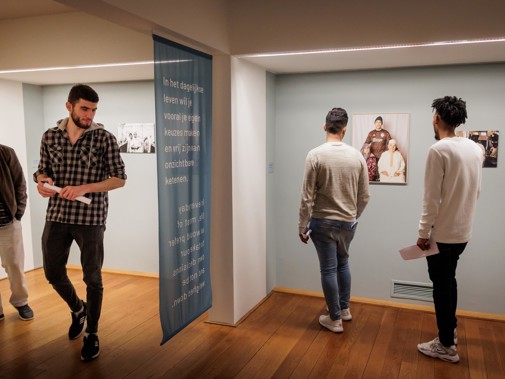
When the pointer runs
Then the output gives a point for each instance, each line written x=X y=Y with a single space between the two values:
x=136 y=138
x=488 y=142
x=383 y=139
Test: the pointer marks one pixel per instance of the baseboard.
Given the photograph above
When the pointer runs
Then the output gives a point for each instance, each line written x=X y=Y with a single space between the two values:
x=394 y=304
x=120 y=272
x=362 y=300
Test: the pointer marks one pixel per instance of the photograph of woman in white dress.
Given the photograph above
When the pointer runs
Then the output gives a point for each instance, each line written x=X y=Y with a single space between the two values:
x=392 y=165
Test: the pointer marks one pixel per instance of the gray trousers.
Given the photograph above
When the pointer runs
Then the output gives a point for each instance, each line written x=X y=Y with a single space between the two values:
x=56 y=241
x=12 y=255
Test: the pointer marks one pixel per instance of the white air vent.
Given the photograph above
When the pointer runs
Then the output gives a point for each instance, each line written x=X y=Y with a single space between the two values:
x=412 y=290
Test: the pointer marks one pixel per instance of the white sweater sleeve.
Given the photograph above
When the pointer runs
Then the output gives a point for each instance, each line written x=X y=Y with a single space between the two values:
x=433 y=179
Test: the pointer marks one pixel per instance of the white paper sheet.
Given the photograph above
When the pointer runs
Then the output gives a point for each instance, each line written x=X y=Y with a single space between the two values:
x=82 y=199
x=415 y=252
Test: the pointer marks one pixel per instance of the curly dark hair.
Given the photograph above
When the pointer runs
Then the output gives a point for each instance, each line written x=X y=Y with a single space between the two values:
x=452 y=110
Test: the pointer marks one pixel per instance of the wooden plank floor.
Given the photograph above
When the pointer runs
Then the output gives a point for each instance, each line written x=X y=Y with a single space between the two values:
x=280 y=339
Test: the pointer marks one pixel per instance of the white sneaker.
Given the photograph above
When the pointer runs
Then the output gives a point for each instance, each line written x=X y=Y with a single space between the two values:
x=333 y=325
x=346 y=314
x=436 y=350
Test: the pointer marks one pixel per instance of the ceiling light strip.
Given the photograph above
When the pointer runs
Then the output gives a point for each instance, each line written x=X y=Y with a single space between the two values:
x=372 y=48
x=105 y=65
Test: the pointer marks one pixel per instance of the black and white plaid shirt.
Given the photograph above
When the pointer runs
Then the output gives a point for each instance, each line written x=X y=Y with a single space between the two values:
x=93 y=158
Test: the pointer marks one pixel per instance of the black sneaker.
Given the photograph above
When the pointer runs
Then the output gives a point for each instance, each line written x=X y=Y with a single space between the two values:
x=25 y=312
x=90 y=348
x=77 y=326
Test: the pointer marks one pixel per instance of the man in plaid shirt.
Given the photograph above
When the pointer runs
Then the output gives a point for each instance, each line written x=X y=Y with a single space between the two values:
x=82 y=158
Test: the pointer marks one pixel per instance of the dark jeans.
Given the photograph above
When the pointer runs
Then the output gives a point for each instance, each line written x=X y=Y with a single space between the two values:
x=442 y=270
x=332 y=240
x=56 y=241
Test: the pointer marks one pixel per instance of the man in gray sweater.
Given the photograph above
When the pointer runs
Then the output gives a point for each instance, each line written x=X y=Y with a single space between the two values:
x=334 y=194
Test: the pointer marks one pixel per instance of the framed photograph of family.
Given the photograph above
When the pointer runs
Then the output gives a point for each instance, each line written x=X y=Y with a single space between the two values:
x=383 y=139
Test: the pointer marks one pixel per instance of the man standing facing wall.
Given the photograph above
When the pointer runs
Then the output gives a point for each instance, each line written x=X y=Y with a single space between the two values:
x=451 y=188
x=334 y=194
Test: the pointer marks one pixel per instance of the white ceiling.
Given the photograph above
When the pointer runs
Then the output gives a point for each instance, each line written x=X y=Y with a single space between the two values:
x=310 y=62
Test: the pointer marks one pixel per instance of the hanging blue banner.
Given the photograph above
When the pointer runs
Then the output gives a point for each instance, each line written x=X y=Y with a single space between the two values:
x=183 y=98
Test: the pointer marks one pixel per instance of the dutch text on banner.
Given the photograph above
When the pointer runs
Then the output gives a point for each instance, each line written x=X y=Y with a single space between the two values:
x=183 y=98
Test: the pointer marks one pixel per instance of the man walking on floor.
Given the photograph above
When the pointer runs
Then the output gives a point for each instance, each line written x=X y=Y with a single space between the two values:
x=82 y=158
x=451 y=189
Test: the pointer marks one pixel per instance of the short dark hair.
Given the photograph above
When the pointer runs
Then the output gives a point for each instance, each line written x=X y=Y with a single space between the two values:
x=336 y=120
x=452 y=110
x=82 y=91
x=379 y=118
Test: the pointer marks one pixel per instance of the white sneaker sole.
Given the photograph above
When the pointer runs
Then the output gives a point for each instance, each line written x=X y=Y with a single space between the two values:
x=444 y=357
x=332 y=328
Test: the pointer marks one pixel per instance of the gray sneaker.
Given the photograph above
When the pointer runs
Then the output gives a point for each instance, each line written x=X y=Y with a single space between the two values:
x=25 y=312
x=436 y=350
x=334 y=325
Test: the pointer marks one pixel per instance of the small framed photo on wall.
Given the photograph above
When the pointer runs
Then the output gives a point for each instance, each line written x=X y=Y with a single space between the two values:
x=487 y=141
x=383 y=139
x=136 y=138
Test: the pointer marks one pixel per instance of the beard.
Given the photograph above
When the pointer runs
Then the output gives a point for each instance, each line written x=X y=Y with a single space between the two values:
x=437 y=136
x=77 y=121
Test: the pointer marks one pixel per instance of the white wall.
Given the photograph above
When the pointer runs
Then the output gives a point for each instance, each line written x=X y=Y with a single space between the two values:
x=34 y=127
x=249 y=185
x=391 y=219
x=12 y=133
x=221 y=225
x=270 y=182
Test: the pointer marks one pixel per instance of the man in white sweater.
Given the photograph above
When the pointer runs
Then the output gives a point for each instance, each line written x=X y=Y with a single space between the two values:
x=334 y=194
x=451 y=189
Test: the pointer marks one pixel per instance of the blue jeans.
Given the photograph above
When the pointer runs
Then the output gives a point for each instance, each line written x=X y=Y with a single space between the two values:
x=332 y=239
x=56 y=241
x=442 y=271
